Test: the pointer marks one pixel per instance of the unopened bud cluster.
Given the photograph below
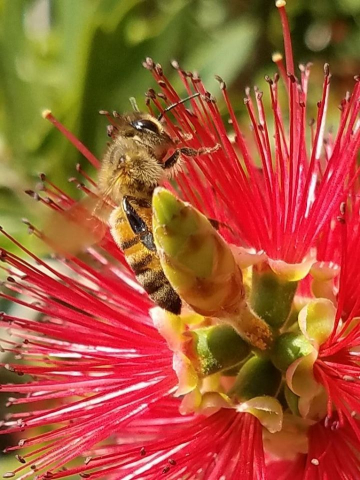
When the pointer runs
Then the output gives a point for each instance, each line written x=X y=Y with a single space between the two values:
x=245 y=339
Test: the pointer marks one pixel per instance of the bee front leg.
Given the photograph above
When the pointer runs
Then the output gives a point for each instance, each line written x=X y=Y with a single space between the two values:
x=188 y=152
x=172 y=160
x=193 y=152
x=217 y=224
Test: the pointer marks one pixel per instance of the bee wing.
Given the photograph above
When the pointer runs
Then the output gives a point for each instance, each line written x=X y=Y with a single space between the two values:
x=82 y=225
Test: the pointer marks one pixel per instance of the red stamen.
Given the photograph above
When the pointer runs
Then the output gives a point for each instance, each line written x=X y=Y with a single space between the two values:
x=287 y=37
x=77 y=144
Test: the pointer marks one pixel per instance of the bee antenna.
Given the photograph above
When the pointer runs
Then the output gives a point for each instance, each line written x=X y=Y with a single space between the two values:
x=134 y=104
x=173 y=105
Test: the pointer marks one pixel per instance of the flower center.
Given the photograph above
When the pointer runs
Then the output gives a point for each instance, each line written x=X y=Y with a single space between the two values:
x=252 y=334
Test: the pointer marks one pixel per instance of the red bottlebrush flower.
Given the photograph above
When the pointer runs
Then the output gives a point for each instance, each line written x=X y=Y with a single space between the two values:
x=136 y=392
x=329 y=444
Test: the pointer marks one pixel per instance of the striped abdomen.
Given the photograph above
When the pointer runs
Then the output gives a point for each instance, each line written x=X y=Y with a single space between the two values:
x=144 y=260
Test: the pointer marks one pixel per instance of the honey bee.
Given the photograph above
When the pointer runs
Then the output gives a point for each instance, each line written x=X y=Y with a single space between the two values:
x=131 y=169
x=134 y=165
x=140 y=156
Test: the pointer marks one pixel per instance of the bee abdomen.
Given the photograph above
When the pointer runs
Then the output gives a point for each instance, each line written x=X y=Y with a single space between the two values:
x=159 y=290
x=151 y=279
x=145 y=264
x=137 y=263
x=167 y=298
x=126 y=244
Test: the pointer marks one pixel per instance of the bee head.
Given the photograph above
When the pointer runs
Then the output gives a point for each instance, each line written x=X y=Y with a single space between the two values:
x=133 y=163
x=146 y=132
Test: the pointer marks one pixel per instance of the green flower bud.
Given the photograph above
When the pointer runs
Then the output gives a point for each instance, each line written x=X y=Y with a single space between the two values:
x=201 y=267
x=196 y=260
x=257 y=377
x=214 y=349
x=287 y=348
x=271 y=296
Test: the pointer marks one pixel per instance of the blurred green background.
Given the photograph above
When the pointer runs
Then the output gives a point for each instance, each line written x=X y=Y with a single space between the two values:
x=76 y=57
x=79 y=56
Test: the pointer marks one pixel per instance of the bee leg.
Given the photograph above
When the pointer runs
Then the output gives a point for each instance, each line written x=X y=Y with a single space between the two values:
x=188 y=152
x=192 y=152
x=217 y=224
x=172 y=160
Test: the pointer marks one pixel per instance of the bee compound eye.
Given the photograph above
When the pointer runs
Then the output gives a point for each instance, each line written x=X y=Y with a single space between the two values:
x=145 y=125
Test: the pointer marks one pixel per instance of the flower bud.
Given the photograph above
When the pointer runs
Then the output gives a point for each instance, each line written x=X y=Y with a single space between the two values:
x=201 y=267
x=287 y=348
x=196 y=260
x=257 y=377
x=271 y=295
x=214 y=349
